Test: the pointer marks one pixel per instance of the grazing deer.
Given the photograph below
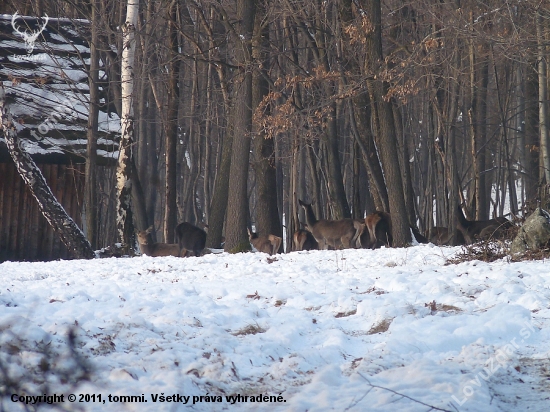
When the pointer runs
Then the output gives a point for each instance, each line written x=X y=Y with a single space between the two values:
x=440 y=236
x=304 y=240
x=190 y=239
x=480 y=228
x=335 y=233
x=267 y=244
x=155 y=249
x=379 y=231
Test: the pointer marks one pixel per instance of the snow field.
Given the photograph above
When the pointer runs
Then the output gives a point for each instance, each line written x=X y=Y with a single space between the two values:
x=328 y=330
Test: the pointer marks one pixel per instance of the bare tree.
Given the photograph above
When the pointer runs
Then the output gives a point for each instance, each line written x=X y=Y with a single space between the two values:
x=236 y=237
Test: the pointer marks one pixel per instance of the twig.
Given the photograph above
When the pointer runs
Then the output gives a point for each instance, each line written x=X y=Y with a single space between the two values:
x=402 y=395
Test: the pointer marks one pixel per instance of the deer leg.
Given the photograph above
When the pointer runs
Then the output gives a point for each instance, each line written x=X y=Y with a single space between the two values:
x=345 y=242
x=301 y=243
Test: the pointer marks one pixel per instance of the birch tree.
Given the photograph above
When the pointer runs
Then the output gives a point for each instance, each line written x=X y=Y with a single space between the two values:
x=125 y=227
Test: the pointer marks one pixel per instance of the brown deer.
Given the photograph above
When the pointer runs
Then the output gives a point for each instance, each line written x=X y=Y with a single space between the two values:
x=336 y=233
x=480 y=228
x=440 y=236
x=155 y=249
x=268 y=244
x=379 y=231
x=190 y=239
x=304 y=240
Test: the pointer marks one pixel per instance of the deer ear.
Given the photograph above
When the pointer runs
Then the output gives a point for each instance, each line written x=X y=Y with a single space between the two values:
x=149 y=229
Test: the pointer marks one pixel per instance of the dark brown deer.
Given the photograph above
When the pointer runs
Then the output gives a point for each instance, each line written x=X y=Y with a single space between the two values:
x=268 y=244
x=190 y=239
x=336 y=233
x=149 y=248
x=440 y=236
x=379 y=231
x=304 y=240
x=472 y=229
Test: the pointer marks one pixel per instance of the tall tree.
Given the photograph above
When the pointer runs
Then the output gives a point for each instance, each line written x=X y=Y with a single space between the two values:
x=267 y=214
x=171 y=138
x=90 y=186
x=383 y=113
x=125 y=226
x=236 y=236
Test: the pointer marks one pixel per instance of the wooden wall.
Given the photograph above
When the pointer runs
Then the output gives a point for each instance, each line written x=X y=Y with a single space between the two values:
x=24 y=232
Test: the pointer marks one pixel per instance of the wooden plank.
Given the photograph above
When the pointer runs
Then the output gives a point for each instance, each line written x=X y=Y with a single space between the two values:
x=2 y=188
x=3 y=223
x=24 y=232
x=35 y=232
x=6 y=211
x=60 y=196
x=17 y=182
x=49 y=251
x=23 y=221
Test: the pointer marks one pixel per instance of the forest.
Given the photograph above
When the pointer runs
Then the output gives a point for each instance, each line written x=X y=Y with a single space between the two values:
x=234 y=111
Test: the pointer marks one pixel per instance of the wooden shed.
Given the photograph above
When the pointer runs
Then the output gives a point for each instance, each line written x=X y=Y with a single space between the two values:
x=47 y=93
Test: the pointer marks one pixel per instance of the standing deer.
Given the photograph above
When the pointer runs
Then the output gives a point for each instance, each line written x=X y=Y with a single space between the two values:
x=149 y=248
x=268 y=244
x=304 y=240
x=190 y=239
x=379 y=231
x=336 y=233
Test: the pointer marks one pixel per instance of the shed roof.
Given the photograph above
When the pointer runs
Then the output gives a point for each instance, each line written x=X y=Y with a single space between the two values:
x=47 y=90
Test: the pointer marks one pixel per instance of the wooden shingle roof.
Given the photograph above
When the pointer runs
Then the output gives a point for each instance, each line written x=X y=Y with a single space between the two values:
x=47 y=90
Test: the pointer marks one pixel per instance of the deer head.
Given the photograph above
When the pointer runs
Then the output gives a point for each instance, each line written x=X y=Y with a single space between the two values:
x=31 y=37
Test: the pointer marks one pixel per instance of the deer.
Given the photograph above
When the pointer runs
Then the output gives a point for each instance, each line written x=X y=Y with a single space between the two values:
x=268 y=244
x=304 y=240
x=379 y=231
x=336 y=233
x=440 y=236
x=483 y=229
x=190 y=239
x=149 y=248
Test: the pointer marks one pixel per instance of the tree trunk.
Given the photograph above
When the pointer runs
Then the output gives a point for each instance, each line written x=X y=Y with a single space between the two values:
x=125 y=226
x=170 y=207
x=362 y=132
x=236 y=236
x=387 y=138
x=90 y=185
x=218 y=205
x=267 y=214
x=543 y=101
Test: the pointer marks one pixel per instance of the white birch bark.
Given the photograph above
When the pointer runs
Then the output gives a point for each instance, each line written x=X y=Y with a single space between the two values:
x=124 y=182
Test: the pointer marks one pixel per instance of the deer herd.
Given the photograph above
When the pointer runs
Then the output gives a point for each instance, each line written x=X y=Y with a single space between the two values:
x=372 y=232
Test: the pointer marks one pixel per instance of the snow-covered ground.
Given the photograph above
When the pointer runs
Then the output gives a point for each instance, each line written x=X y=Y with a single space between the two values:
x=359 y=330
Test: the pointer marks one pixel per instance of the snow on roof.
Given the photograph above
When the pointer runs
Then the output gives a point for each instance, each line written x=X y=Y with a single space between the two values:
x=47 y=89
